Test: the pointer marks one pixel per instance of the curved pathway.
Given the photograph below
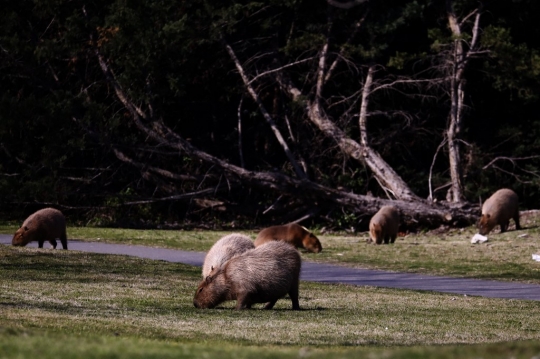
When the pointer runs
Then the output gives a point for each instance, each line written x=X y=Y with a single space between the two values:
x=328 y=273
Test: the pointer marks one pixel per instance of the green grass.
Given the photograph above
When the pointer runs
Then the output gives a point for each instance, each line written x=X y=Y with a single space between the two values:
x=73 y=304
x=506 y=256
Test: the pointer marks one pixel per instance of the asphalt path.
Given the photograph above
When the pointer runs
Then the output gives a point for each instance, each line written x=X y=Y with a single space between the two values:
x=329 y=273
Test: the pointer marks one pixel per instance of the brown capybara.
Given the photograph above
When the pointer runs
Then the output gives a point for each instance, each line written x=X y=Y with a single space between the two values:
x=384 y=225
x=292 y=233
x=47 y=224
x=224 y=249
x=497 y=210
x=260 y=275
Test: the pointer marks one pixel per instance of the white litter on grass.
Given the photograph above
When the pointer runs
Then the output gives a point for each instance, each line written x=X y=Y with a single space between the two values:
x=536 y=257
x=478 y=238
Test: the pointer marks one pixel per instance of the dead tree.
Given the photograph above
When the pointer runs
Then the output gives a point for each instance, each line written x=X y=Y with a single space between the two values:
x=459 y=55
x=415 y=213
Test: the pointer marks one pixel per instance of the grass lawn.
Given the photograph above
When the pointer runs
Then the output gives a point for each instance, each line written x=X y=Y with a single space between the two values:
x=71 y=304
x=506 y=256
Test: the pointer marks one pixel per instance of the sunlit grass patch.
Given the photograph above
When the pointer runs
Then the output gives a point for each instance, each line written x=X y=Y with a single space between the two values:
x=82 y=293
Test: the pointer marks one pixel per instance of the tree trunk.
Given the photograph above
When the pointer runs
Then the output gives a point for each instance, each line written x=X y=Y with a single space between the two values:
x=459 y=59
x=388 y=179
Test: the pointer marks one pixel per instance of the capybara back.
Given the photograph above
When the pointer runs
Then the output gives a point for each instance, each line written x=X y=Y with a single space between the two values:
x=224 y=249
x=498 y=209
x=261 y=275
x=44 y=225
x=384 y=225
x=292 y=233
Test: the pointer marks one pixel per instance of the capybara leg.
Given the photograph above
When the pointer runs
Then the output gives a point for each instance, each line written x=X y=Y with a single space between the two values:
x=53 y=243
x=243 y=302
x=63 y=239
x=386 y=239
x=270 y=305
x=516 y=220
x=40 y=243
x=504 y=226
x=392 y=239
x=294 y=299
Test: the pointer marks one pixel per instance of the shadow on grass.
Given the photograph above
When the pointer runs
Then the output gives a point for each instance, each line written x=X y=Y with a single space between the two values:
x=75 y=267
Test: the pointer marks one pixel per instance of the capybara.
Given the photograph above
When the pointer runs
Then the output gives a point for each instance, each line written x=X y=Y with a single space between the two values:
x=497 y=210
x=47 y=224
x=260 y=275
x=292 y=233
x=384 y=225
x=224 y=249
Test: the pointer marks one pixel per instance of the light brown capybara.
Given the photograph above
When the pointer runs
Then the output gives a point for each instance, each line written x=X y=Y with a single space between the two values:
x=292 y=233
x=260 y=275
x=498 y=210
x=47 y=224
x=224 y=249
x=384 y=225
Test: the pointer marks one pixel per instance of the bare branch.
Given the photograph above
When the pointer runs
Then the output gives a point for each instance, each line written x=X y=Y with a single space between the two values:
x=441 y=145
x=266 y=73
x=173 y=198
x=240 y=146
x=517 y=178
x=511 y=159
x=332 y=67
x=145 y=167
x=475 y=11
x=299 y=172
x=345 y=5
x=320 y=70
x=362 y=121
x=475 y=31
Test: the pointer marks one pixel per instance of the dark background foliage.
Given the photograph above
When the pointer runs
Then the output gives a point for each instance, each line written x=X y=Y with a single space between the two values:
x=60 y=120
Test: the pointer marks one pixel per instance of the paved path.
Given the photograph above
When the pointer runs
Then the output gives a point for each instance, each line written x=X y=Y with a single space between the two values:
x=327 y=273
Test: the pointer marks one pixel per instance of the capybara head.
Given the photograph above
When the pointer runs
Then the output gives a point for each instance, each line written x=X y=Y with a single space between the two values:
x=21 y=238
x=211 y=291
x=485 y=225
x=311 y=242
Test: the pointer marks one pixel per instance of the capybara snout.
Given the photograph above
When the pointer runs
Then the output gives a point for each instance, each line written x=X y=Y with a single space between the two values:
x=312 y=244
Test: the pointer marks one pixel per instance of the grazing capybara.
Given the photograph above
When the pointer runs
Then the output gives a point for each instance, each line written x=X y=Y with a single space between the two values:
x=224 y=249
x=292 y=233
x=47 y=224
x=497 y=210
x=384 y=225
x=260 y=275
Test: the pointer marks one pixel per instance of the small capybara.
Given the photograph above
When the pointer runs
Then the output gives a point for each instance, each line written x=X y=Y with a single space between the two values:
x=384 y=225
x=47 y=224
x=224 y=249
x=497 y=210
x=292 y=233
x=260 y=275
